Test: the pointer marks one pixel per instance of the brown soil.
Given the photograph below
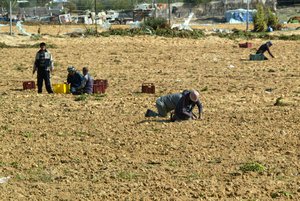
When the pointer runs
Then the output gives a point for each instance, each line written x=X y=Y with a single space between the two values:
x=103 y=148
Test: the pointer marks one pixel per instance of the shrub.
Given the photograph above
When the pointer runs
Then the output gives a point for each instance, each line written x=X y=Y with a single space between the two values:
x=3 y=45
x=156 y=23
x=252 y=167
x=89 y=31
x=259 y=19
x=167 y=32
x=272 y=20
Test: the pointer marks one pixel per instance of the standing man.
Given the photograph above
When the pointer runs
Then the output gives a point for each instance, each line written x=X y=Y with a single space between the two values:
x=88 y=81
x=186 y=104
x=44 y=66
x=265 y=47
x=164 y=105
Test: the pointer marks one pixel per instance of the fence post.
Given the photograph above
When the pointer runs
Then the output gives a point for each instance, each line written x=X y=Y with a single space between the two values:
x=247 y=23
x=10 y=18
x=169 y=5
x=96 y=17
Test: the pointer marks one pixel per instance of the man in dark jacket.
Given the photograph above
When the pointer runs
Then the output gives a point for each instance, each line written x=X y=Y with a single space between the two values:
x=76 y=80
x=88 y=81
x=186 y=104
x=265 y=47
x=43 y=64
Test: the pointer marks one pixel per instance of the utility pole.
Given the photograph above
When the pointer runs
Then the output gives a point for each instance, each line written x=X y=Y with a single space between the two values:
x=10 y=18
x=96 y=28
x=247 y=23
x=169 y=5
x=154 y=4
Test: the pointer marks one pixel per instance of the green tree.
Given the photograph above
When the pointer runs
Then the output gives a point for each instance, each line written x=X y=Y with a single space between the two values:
x=5 y=4
x=71 y=7
x=84 y=4
x=196 y=2
x=121 y=4
x=271 y=19
x=41 y=2
x=259 y=19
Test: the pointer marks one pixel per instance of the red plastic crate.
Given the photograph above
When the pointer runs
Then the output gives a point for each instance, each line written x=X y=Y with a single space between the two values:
x=101 y=81
x=28 y=85
x=245 y=45
x=148 y=88
x=98 y=89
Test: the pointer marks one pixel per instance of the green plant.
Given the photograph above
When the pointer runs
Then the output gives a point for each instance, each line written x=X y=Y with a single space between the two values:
x=90 y=31
x=82 y=97
x=3 y=45
x=99 y=97
x=14 y=164
x=193 y=176
x=27 y=134
x=252 y=167
x=173 y=163
x=280 y=102
x=272 y=20
x=156 y=23
x=259 y=19
x=289 y=37
x=280 y=194
x=38 y=174
x=36 y=37
x=127 y=175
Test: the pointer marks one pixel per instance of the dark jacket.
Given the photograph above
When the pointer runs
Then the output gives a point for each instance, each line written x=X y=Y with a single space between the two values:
x=43 y=61
x=75 y=80
x=263 y=48
x=185 y=106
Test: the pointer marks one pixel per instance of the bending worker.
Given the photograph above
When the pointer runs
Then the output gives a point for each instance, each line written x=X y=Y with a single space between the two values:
x=185 y=106
x=76 y=80
x=265 y=47
x=164 y=105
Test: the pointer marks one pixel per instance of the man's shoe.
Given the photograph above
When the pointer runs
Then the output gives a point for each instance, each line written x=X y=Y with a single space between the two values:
x=150 y=113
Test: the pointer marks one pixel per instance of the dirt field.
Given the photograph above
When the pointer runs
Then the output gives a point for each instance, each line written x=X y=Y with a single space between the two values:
x=102 y=148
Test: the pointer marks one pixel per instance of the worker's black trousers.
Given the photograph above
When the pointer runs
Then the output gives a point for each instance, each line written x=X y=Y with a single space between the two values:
x=41 y=76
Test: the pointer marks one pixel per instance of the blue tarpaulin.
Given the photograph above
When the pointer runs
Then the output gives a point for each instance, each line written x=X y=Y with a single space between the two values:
x=239 y=16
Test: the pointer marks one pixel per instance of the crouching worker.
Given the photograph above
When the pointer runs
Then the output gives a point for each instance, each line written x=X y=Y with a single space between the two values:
x=76 y=80
x=265 y=47
x=88 y=81
x=164 y=105
x=185 y=106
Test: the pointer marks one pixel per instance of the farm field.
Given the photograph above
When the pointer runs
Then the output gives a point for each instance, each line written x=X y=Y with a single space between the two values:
x=101 y=147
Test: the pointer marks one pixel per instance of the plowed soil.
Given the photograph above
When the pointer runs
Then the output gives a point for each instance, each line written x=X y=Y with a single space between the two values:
x=101 y=147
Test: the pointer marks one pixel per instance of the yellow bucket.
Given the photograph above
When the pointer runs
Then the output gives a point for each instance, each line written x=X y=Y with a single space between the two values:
x=61 y=88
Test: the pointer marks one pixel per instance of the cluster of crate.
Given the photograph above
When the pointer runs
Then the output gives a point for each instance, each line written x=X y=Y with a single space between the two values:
x=99 y=86
x=252 y=57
